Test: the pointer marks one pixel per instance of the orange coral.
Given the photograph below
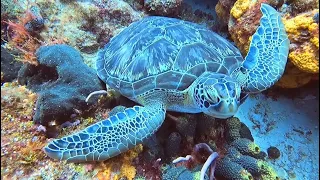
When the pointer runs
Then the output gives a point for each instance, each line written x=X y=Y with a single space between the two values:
x=120 y=167
x=27 y=42
x=21 y=39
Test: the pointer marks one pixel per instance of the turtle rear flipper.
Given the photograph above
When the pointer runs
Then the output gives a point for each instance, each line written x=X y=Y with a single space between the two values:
x=109 y=137
x=267 y=57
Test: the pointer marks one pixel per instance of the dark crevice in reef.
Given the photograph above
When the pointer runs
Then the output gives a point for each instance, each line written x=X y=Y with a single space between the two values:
x=37 y=76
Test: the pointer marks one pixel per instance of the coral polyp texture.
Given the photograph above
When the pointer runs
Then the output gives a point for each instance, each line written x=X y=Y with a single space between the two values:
x=301 y=25
x=62 y=81
x=303 y=32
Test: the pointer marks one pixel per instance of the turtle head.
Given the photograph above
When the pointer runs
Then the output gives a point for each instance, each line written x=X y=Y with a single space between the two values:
x=217 y=95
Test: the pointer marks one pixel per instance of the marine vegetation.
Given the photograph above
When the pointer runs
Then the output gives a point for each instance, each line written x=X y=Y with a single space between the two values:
x=22 y=34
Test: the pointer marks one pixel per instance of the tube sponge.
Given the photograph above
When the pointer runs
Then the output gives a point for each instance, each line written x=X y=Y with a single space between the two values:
x=254 y=166
x=230 y=170
x=234 y=126
x=246 y=147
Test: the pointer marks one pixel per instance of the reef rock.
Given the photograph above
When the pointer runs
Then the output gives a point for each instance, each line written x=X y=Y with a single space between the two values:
x=62 y=82
x=163 y=7
x=9 y=66
x=301 y=26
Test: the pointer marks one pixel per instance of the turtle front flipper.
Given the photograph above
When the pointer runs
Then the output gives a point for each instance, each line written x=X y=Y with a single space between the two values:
x=109 y=137
x=267 y=57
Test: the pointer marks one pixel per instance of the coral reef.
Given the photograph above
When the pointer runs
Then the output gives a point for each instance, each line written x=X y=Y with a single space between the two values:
x=172 y=147
x=62 y=82
x=246 y=147
x=11 y=9
x=241 y=161
x=303 y=33
x=228 y=169
x=21 y=145
x=36 y=22
x=254 y=166
x=210 y=162
x=63 y=90
x=245 y=132
x=223 y=8
x=302 y=30
x=186 y=126
x=163 y=7
x=234 y=126
x=22 y=37
x=87 y=26
x=181 y=173
x=244 y=20
x=120 y=167
x=9 y=67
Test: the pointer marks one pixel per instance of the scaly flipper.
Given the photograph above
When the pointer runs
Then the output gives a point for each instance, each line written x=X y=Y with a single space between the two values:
x=267 y=56
x=109 y=137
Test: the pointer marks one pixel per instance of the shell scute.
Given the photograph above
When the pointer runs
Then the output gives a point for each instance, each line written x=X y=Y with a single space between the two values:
x=161 y=80
x=166 y=53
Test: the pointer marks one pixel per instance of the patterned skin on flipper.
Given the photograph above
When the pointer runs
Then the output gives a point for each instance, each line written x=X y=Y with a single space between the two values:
x=267 y=56
x=109 y=137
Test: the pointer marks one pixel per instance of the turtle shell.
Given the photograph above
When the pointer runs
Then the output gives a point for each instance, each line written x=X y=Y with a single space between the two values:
x=162 y=52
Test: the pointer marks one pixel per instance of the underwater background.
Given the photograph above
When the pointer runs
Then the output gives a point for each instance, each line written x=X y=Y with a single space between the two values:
x=274 y=134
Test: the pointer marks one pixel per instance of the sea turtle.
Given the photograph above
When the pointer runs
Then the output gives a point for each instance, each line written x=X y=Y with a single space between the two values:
x=167 y=64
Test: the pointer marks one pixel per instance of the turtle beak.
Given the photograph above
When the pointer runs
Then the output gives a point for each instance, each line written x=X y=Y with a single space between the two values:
x=226 y=109
x=231 y=108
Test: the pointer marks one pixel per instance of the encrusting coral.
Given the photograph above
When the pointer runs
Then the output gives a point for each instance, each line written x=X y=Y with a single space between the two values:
x=301 y=27
x=21 y=145
x=303 y=32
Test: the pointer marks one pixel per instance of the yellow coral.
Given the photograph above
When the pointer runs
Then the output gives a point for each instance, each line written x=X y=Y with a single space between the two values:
x=305 y=54
x=305 y=60
x=267 y=172
x=105 y=174
x=245 y=175
x=313 y=27
x=293 y=77
x=239 y=8
x=133 y=153
x=128 y=171
x=315 y=41
x=120 y=167
x=254 y=148
x=297 y=23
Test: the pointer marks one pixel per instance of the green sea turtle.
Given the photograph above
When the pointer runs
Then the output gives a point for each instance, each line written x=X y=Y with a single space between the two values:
x=167 y=64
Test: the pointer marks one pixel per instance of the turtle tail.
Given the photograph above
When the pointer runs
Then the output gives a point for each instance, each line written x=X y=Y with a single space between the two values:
x=267 y=57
